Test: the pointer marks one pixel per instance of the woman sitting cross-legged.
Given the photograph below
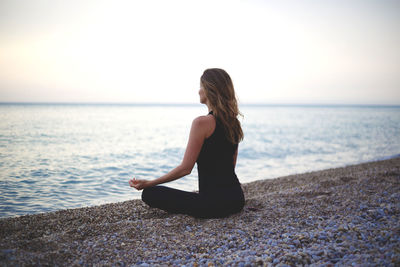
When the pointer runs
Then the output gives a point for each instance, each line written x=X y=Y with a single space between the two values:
x=213 y=144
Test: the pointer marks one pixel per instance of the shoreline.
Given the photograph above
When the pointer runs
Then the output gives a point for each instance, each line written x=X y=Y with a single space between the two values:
x=338 y=216
x=244 y=183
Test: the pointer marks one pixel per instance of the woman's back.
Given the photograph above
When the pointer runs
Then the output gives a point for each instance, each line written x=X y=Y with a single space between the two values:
x=215 y=162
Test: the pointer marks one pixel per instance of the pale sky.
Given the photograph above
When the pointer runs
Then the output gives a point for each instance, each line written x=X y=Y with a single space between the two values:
x=279 y=52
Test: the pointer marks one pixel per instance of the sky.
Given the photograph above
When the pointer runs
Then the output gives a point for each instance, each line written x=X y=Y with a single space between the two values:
x=276 y=52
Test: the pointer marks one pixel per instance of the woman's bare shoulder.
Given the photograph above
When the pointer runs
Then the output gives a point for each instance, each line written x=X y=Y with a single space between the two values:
x=206 y=123
x=204 y=120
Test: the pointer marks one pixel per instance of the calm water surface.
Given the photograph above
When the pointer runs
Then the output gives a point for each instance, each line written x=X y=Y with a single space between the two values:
x=64 y=156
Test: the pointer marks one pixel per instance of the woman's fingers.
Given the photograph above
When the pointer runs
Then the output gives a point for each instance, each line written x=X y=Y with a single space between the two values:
x=133 y=182
x=138 y=184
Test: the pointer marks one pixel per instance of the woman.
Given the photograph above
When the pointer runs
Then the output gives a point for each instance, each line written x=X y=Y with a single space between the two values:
x=213 y=144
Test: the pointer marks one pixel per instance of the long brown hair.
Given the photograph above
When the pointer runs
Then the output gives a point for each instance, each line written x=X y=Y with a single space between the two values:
x=221 y=97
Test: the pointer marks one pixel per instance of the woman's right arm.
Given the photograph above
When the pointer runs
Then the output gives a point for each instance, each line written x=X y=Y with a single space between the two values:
x=201 y=127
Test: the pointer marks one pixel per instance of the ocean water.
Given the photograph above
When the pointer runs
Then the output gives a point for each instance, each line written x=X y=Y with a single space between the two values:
x=65 y=156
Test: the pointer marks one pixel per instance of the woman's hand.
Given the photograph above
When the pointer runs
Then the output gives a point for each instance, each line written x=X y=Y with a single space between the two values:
x=139 y=184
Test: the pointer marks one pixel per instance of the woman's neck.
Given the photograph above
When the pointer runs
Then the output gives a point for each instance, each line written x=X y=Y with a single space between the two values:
x=209 y=107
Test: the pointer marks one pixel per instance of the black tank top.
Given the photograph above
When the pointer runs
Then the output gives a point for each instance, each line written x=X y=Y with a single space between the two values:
x=215 y=162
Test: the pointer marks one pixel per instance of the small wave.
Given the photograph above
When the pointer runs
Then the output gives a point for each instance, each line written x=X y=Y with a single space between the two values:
x=112 y=169
x=28 y=181
x=107 y=169
x=388 y=157
x=68 y=182
x=38 y=173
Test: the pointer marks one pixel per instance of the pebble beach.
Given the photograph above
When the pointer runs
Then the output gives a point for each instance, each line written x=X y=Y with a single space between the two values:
x=346 y=216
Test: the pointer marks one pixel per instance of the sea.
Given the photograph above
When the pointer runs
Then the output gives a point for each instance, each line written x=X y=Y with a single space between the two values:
x=61 y=156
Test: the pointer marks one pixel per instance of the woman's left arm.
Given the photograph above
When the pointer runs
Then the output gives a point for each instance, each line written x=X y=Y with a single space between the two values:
x=198 y=133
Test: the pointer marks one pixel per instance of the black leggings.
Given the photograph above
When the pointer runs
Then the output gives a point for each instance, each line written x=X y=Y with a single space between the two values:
x=221 y=203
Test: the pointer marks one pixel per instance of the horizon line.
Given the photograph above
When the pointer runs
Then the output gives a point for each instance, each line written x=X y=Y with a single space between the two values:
x=260 y=104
